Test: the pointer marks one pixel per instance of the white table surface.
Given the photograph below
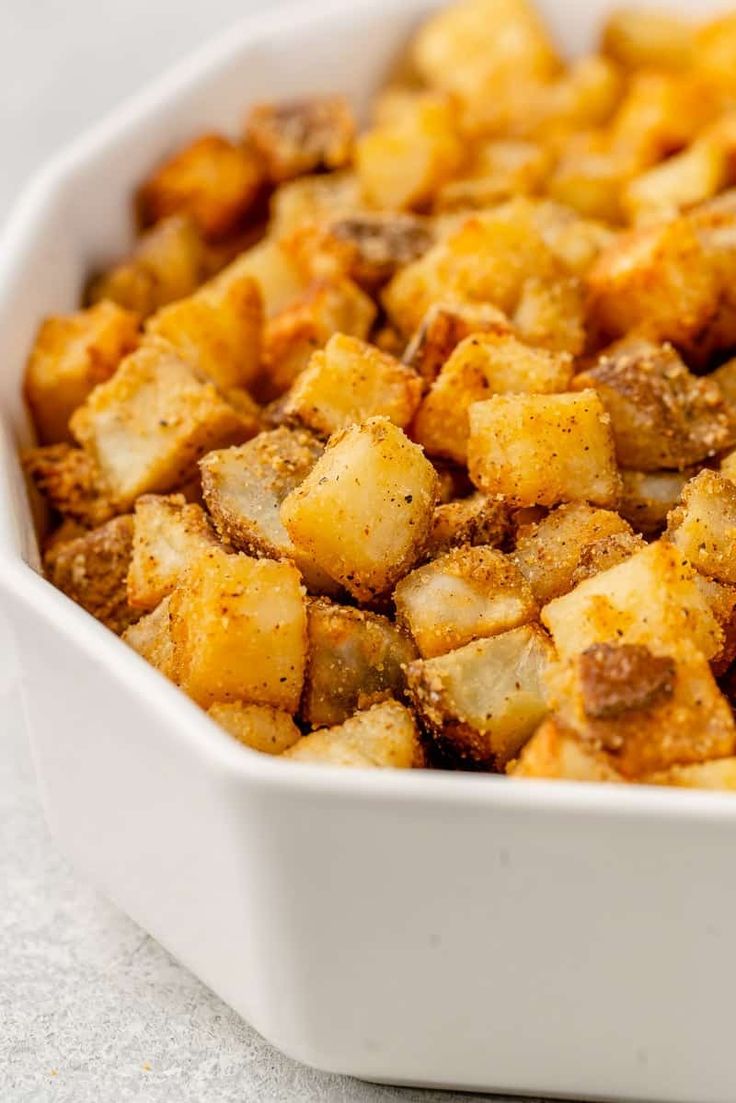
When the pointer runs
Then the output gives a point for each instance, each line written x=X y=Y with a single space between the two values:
x=92 y=1010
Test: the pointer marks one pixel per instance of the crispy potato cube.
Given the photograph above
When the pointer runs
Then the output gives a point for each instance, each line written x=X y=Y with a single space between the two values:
x=290 y=338
x=219 y=328
x=703 y=527
x=480 y=366
x=543 y=449
x=714 y=50
x=662 y=112
x=653 y=598
x=72 y=353
x=467 y=521
x=239 y=630
x=648 y=496
x=378 y=491
x=301 y=136
x=167 y=263
x=168 y=535
x=212 y=180
x=589 y=175
x=92 y=570
x=355 y=658
x=692 y=176
x=481 y=702
x=644 y=38
x=442 y=329
x=605 y=553
x=719 y=773
x=148 y=425
x=313 y=199
x=278 y=276
x=557 y=753
x=259 y=727
x=550 y=314
x=151 y=638
x=548 y=551
x=467 y=594
x=384 y=736
x=349 y=381
x=662 y=415
x=70 y=481
x=499 y=170
x=725 y=377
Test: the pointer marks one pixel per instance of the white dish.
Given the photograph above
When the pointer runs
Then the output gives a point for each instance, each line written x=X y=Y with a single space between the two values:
x=426 y=928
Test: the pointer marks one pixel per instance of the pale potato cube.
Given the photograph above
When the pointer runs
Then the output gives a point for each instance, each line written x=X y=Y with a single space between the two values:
x=92 y=569
x=239 y=630
x=543 y=449
x=442 y=329
x=264 y=729
x=148 y=425
x=168 y=535
x=653 y=598
x=468 y=521
x=719 y=773
x=301 y=136
x=499 y=170
x=697 y=173
x=350 y=381
x=590 y=175
x=467 y=594
x=703 y=527
x=646 y=37
x=548 y=551
x=480 y=366
x=384 y=736
x=482 y=702
x=355 y=658
x=364 y=512
x=280 y=279
x=313 y=199
x=72 y=353
x=648 y=496
x=70 y=481
x=550 y=314
x=556 y=753
x=151 y=638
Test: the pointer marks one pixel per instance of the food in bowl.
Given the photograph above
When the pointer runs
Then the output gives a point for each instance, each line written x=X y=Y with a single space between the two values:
x=415 y=447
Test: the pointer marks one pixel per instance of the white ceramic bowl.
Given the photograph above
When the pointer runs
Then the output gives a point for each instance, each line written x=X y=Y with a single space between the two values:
x=426 y=928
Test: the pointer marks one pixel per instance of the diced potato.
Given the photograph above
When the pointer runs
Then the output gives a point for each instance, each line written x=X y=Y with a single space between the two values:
x=548 y=551
x=279 y=278
x=653 y=598
x=313 y=199
x=719 y=773
x=355 y=658
x=301 y=136
x=382 y=736
x=543 y=449
x=722 y=601
x=71 y=355
x=442 y=329
x=467 y=521
x=290 y=338
x=167 y=263
x=645 y=37
x=70 y=481
x=151 y=638
x=92 y=570
x=239 y=631
x=212 y=180
x=550 y=314
x=696 y=174
x=648 y=496
x=590 y=175
x=467 y=594
x=61 y=534
x=714 y=50
x=703 y=527
x=557 y=753
x=378 y=491
x=574 y=241
x=662 y=112
x=499 y=170
x=605 y=553
x=148 y=425
x=349 y=381
x=168 y=535
x=480 y=366
x=259 y=727
x=725 y=377
x=481 y=702
x=662 y=415
x=219 y=328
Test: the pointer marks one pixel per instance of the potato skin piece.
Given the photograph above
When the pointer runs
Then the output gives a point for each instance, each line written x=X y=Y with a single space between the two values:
x=442 y=329
x=301 y=136
x=92 y=570
x=468 y=521
x=382 y=736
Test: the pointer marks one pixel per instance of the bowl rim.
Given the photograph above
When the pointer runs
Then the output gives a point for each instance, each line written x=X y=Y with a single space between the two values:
x=170 y=705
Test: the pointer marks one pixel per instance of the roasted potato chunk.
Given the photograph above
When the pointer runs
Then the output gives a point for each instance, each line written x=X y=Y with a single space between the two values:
x=703 y=527
x=151 y=638
x=380 y=491
x=313 y=199
x=239 y=631
x=382 y=736
x=301 y=136
x=557 y=753
x=71 y=482
x=442 y=329
x=71 y=355
x=551 y=315
x=169 y=534
x=648 y=496
x=719 y=773
x=498 y=170
x=468 y=521
x=643 y=37
x=605 y=553
x=92 y=569
x=259 y=727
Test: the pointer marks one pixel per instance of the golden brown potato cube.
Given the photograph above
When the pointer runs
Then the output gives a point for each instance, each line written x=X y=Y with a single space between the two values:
x=92 y=570
x=382 y=736
x=648 y=496
x=661 y=415
x=290 y=338
x=550 y=314
x=725 y=377
x=350 y=381
x=467 y=594
x=589 y=175
x=692 y=176
x=219 y=328
x=301 y=136
x=168 y=535
x=313 y=199
x=644 y=38
x=557 y=753
x=148 y=425
x=653 y=598
x=355 y=658
x=543 y=449
x=212 y=180
x=468 y=521
x=367 y=246
x=239 y=631
x=480 y=366
x=714 y=50
x=499 y=170
x=264 y=729
x=72 y=353
x=151 y=638
x=61 y=534
x=703 y=526
x=442 y=329
x=719 y=773
x=167 y=263
x=364 y=511
x=574 y=241
x=279 y=278
x=548 y=551
x=605 y=553
x=70 y=481
x=662 y=112
x=481 y=702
